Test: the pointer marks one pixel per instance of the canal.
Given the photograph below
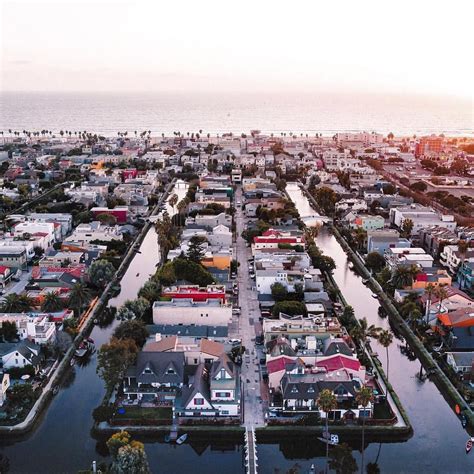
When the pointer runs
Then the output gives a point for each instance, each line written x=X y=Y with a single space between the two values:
x=62 y=441
x=439 y=439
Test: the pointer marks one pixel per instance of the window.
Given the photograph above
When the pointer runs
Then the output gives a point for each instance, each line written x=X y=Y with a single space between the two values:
x=222 y=394
x=294 y=390
x=340 y=391
x=199 y=401
x=170 y=371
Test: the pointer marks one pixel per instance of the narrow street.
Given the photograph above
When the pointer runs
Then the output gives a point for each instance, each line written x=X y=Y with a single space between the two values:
x=253 y=411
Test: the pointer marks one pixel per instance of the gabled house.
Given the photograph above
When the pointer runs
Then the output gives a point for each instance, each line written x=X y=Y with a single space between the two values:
x=213 y=390
x=156 y=376
x=20 y=354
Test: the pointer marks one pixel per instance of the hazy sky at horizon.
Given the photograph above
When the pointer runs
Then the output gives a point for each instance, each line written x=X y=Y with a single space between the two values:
x=310 y=46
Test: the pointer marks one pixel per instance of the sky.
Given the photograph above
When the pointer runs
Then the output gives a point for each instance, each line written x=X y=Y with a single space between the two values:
x=403 y=47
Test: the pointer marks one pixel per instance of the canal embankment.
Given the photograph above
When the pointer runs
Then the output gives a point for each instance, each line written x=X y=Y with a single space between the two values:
x=93 y=313
x=448 y=390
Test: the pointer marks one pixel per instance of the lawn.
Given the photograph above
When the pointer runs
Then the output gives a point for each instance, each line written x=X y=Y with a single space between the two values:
x=145 y=413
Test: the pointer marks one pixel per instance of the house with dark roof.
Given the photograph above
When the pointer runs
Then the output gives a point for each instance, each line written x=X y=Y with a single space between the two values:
x=299 y=392
x=213 y=390
x=156 y=376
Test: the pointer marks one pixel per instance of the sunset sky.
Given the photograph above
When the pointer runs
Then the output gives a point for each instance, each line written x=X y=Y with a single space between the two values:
x=304 y=46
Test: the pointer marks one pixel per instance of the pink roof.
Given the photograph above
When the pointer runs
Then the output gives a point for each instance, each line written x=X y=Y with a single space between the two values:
x=339 y=362
x=278 y=364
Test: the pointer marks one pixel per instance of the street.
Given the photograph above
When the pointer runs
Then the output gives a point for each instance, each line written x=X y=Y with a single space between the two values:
x=250 y=373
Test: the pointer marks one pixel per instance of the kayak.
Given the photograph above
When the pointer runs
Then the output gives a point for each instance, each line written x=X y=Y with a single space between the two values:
x=469 y=445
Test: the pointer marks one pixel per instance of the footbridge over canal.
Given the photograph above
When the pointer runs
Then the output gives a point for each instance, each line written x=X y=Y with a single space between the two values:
x=251 y=463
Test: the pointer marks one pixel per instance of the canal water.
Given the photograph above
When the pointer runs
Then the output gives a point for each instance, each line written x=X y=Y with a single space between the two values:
x=62 y=441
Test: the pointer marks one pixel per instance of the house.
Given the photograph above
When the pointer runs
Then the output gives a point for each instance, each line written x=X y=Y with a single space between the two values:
x=367 y=222
x=212 y=391
x=13 y=257
x=195 y=292
x=462 y=363
x=408 y=256
x=156 y=376
x=35 y=328
x=290 y=279
x=20 y=354
x=211 y=312
x=382 y=239
x=421 y=216
x=5 y=275
x=466 y=276
x=120 y=213
x=86 y=233
x=195 y=351
x=5 y=385
x=272 y=239
x=452 y=258
x=300 y=391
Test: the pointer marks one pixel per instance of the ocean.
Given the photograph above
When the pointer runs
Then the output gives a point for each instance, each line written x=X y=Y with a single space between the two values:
x=109 y=113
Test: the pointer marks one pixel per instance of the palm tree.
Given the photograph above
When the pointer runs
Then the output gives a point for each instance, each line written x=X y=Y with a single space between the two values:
x=429 y=289
x=15 y=303
x=441 y=293
x=403 y=276
x=363 y=331
x=360 y=237
x=385 y=338
x=52 y=302
x=327 y=402
x=363 y=397
x=173 y=200
x=78 y=297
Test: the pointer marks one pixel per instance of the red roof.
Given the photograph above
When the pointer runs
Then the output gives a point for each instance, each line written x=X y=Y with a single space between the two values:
x=276 y=240
x=339 y=362
x=3 y=269
x=278 y=364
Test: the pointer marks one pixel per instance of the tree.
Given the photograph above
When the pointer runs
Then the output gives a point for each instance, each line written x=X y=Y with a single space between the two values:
x=403 y=276
x=21 y=394
x=114 y=359
x=327 y=402
x=106 y=219
x=133 y=309
x=8 y=331
x=131 y=459
x=326 y=199
x=117 y=441
x=389 y=188
x=419 y=186
x=196 y=249
x=168 y=235
x=79 y=296
x=51 y=303
x=363 y=397
x=360 y=237
x=341 y=459
x=363 y=331
x=151 y=291
x=15 y=303
x=291 y=308
x=441 y=293
x=407 y=228
x=101 y=272
x=134 y=329
x=385 y=338
x=375 y=262
x=279 y=291
x=173 y=200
